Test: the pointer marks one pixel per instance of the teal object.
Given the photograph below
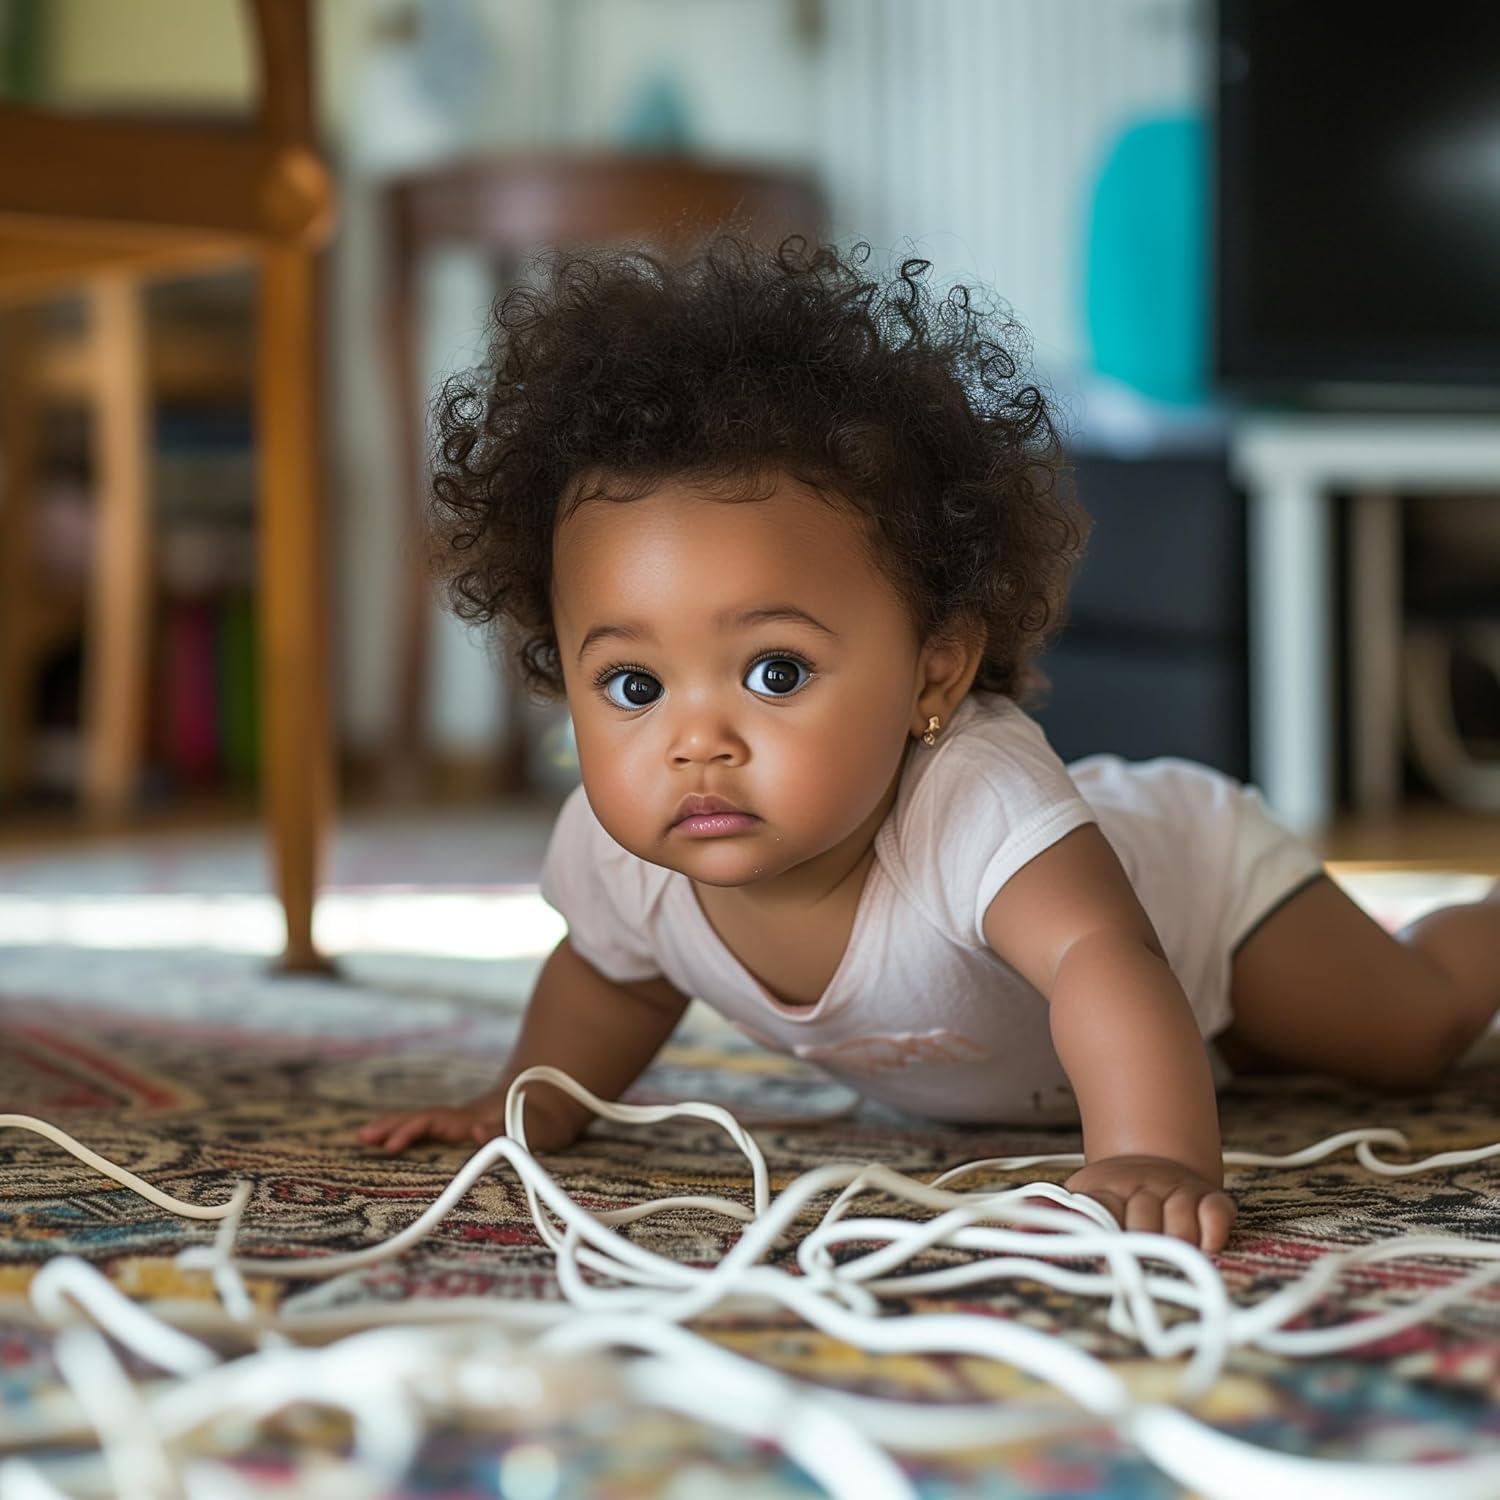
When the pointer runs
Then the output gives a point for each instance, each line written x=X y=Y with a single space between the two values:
x=657 y=119
x=1147 y=260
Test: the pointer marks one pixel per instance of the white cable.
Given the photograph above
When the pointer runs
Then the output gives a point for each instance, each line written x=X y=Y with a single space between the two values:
x=20 y=1480
x=703 y=1381
x=652 y=1293
x=133 y=1449
x=1229 y=1469
x=218 y=1259
x=812 y=1435
x=66 y=1284
x=100 y=1164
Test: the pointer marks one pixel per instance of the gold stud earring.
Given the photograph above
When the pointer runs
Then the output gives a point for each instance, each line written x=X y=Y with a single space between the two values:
x=929 y=735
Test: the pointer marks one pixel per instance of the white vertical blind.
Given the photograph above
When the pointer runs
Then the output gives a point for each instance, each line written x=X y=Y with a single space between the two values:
x=971 y=131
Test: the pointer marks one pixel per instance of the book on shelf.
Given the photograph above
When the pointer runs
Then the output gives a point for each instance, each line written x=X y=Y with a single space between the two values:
x=239 y=700
x=203 y=463
x=208 y=719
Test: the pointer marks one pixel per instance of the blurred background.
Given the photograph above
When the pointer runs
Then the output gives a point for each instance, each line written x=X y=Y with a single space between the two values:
x=240 y=243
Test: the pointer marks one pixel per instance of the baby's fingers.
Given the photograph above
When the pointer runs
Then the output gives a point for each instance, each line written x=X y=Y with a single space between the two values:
x=1143 y=1212
x=1111 y=1201
x=1180 y=1214
x=1216 y=1216
x=412 y=1128
x=376 y=1130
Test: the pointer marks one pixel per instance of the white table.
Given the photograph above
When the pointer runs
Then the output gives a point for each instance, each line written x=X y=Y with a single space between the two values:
x=1289 y=465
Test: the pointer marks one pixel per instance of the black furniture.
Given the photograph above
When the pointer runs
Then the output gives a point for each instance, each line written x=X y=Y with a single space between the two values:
x=1154 y=658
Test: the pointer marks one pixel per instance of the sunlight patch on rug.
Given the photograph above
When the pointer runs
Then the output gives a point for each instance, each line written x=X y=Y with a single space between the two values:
x=483 y=924
x=479 y=924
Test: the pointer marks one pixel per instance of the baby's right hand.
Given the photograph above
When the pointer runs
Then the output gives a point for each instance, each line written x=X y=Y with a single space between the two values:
x=478 y=1121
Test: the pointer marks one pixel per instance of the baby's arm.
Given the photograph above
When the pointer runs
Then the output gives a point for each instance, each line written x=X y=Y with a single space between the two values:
x=599 y=1032
x=1069 y=922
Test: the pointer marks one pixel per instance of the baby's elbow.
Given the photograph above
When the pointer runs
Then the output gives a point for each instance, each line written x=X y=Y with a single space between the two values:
x=1106 y=950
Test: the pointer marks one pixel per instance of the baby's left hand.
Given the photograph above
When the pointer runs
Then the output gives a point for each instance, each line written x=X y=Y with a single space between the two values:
x=1159 y=1195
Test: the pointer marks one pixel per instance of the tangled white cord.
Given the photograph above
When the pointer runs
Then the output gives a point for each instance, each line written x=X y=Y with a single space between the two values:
x=388 y=1379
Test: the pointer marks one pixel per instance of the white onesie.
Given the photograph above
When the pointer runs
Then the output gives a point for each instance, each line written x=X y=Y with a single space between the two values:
x=921 y=1013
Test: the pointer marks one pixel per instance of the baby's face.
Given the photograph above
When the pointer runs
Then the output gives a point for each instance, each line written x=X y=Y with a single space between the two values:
x=801 y=724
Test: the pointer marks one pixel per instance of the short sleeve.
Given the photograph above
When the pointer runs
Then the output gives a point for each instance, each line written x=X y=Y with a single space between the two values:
x=988 y=803
x=605 y=900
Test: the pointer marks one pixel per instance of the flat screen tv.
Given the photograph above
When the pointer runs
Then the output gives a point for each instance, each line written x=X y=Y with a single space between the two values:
x=1357 y=202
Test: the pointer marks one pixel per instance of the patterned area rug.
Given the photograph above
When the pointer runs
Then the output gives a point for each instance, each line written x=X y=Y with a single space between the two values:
x=195 y=1069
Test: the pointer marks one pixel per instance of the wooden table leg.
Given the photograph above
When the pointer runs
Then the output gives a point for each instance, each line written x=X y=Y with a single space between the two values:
x=116 y=659
x=297 y=740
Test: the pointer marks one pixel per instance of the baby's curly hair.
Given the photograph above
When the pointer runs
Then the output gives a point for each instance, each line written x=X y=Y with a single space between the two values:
x=622 y=367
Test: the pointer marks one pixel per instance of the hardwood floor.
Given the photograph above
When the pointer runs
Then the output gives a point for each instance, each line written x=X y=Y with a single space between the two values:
x=1421 y=836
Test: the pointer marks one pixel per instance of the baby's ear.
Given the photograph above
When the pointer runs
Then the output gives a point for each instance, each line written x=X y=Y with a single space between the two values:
x=953 y=654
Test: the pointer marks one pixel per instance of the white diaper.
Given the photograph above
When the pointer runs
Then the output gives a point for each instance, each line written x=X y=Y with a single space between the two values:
x=1270 y=866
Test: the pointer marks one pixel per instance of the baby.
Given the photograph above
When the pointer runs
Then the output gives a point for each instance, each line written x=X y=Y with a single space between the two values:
x=789 y=540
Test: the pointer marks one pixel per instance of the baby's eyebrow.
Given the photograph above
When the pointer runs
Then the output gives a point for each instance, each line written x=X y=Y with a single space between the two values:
x=761 y=614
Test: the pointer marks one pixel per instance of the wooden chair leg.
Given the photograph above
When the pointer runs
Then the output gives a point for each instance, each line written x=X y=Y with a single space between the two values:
x=406 y=769
x=117 y=643
x=18 y=429
x=297 y=740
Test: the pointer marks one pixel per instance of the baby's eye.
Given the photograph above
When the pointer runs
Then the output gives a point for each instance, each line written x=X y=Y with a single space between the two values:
x=780 y=675
x=637 y=689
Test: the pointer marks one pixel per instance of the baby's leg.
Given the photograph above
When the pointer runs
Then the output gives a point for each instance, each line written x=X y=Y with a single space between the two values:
x=1320 y=987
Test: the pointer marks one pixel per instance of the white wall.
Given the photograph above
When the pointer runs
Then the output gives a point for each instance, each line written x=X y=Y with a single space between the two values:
x=971 y=131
